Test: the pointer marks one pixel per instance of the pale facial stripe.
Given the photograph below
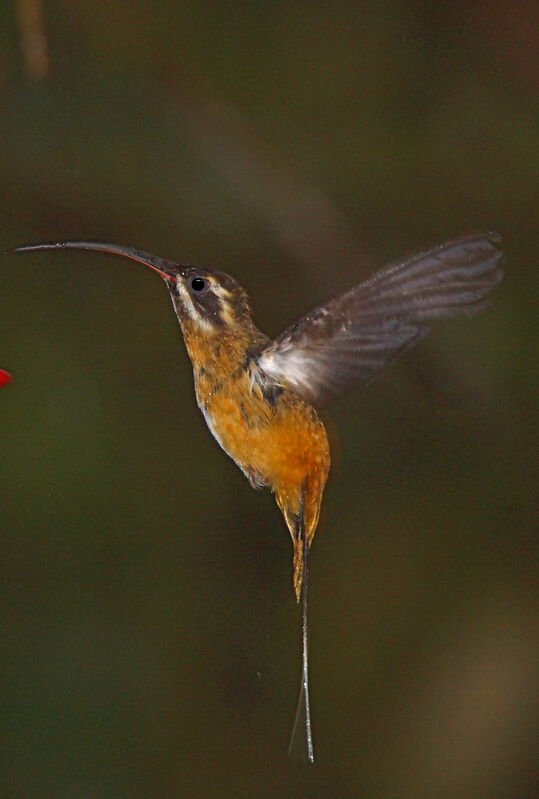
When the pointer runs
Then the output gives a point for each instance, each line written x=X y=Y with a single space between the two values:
x=190 y=308
x=225 y=296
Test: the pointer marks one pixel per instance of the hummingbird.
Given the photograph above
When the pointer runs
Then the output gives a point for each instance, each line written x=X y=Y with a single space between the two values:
x=261 y=397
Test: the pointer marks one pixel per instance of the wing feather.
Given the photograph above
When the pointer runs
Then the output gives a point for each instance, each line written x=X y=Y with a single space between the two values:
x=352 y=338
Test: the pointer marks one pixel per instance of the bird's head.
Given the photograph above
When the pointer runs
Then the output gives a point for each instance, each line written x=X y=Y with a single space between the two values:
x=207 y=302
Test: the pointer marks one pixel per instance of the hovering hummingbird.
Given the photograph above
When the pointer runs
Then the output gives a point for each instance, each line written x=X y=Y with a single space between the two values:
x=260 y=398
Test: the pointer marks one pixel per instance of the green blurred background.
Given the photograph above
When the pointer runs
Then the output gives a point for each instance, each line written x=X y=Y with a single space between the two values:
x=150 y=638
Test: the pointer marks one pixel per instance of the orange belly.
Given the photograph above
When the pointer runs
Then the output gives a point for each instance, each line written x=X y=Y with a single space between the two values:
x=282 y=445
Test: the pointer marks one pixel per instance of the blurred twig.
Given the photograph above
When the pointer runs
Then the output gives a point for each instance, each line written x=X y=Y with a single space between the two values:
x=302 y=217
x=33 y=41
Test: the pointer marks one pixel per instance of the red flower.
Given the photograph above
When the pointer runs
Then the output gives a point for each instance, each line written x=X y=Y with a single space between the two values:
x=5 y=378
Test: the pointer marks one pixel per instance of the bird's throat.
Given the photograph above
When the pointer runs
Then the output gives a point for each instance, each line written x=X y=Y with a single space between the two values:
x=219 y=355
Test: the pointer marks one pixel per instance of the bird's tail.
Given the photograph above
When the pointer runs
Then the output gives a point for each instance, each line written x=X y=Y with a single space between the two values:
x=301 y=510
x=301 y=584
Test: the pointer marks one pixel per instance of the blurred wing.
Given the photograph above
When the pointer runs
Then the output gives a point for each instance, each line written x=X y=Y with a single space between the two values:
x=349 y=340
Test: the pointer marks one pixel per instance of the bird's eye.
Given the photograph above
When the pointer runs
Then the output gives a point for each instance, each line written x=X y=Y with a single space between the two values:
x=198 y=283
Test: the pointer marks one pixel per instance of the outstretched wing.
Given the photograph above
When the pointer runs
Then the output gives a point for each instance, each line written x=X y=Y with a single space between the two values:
x=349 y=340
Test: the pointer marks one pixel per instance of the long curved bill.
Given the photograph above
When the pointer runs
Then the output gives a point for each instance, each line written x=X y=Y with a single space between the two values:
x=167 y=269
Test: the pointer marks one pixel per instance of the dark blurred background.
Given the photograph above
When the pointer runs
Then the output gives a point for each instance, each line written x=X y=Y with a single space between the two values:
x=150 y=637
